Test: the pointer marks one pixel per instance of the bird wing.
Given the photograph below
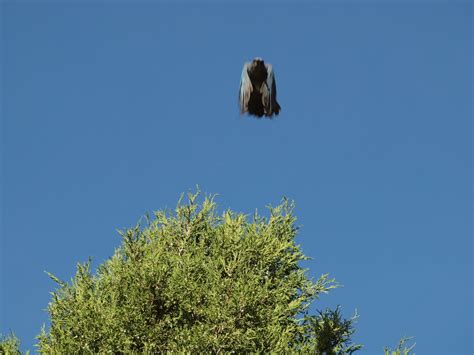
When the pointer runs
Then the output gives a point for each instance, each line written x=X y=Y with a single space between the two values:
x=269 y=93
x=245 y=89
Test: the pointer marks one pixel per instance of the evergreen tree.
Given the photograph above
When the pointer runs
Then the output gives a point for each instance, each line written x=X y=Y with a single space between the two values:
x=193 y=280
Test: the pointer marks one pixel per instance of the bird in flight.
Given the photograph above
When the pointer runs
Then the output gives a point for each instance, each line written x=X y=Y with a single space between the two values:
x=257 y=94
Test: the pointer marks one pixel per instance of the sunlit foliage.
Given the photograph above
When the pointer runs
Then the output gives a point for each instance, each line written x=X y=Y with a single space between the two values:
x=195 y=280
x=9 y=344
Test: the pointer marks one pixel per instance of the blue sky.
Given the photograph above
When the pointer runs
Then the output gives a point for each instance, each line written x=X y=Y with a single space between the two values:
x=111 y=110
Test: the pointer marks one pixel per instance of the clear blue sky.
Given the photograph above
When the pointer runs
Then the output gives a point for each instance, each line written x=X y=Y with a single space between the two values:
x=112 y=110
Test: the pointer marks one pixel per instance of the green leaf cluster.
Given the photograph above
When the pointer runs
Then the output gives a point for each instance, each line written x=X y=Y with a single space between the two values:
x=402 y=348
x=9 y=344
x=197 y=281
x=331 y=334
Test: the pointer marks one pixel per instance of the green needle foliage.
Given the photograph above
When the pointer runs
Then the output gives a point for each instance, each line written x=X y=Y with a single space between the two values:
x=401 y=348
x=192 y=280
x=9 y=345
x=331 y=333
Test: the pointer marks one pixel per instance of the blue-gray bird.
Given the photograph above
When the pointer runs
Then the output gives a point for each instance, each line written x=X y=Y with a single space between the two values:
x=257 y=94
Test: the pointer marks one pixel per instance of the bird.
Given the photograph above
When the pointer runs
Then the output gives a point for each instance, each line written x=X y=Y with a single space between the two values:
x=257 y=93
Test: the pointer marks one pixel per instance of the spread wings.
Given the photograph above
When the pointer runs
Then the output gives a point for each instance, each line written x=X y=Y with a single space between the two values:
x=245 y=89
x=263 y=101
x=269 y=93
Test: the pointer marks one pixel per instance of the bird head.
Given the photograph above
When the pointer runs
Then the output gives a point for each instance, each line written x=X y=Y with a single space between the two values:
x=258 y=62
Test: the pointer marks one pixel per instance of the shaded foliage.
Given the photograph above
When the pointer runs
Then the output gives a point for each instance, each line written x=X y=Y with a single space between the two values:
x=331 y=334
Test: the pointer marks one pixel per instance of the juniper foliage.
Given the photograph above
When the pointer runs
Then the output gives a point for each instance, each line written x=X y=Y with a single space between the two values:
x=9 y=344
x=192 y=280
